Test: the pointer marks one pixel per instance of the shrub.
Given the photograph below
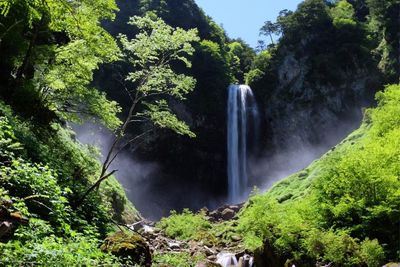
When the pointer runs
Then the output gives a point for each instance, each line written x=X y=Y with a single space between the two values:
x=372 y=253
x=176 y=260
x=55 y=251
x=184 y=226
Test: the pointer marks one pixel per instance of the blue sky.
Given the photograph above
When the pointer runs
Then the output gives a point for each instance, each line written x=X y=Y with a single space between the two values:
x=244 y=18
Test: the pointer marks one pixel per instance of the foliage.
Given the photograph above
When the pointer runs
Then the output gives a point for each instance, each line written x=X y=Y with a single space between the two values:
x=53 y=48
x=153 y=84
x=37 y=186
x=269 y=29
x=42 y=187
x=242 y=57
x=184 y=226
x=176 y=260
x=383 y=25
x=343 y=14
x=260 y=64
x=372 y=252
x=55 y=251
x=324 y=218
x=153 y=75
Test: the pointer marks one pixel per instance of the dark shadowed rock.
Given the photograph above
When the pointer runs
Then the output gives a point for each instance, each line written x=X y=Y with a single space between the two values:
x=227 y=214
x=9 y=220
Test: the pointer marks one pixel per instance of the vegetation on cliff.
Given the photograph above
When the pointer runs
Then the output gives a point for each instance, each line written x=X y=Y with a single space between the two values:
x=344 y=208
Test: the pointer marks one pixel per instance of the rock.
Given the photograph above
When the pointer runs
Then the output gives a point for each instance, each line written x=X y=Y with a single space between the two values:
x=6 y=229
x=208 y=251
x=212 y=258
x=392 y=264
x=130 y=247
x=245 y=261
x=227 y=259
x=9 y=221
x=214 y=216
x=174 y=245
x=204 y=210
x=236 y=208
x=227 y=214
x=208 y=264
x=236 y=238
x=148 y=229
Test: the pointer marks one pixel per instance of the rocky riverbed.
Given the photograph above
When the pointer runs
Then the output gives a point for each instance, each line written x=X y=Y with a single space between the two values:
x=226 y=256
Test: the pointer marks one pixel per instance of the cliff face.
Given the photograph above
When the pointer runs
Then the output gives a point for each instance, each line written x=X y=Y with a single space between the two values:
x=300 y=110
x=317 y=80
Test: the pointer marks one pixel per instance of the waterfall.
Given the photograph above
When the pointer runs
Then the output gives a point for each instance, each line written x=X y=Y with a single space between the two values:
x=242 y=113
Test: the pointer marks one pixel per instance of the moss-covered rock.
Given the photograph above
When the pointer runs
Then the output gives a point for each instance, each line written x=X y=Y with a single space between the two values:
x=130 y=247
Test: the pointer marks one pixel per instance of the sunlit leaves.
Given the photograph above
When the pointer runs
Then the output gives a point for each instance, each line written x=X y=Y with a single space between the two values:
x=153 y=52
x=160 y=114
x=343 y=14
x=64 y=68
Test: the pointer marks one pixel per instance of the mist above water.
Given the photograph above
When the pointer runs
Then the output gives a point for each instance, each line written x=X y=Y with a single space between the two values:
x=154 y=193
x=147 y=187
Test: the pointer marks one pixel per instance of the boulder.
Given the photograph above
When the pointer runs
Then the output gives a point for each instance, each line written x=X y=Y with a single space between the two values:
x=130 y=247
x=208 y=264
x=9 y=220
x=227 y=214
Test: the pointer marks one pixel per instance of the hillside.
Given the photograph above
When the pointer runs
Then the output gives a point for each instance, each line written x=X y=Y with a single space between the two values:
x=342 y=210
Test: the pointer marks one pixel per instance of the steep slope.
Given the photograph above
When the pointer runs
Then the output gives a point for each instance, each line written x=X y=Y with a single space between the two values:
x=342 y=210
x=349 y=195
x=49 y=52
x=315 y=81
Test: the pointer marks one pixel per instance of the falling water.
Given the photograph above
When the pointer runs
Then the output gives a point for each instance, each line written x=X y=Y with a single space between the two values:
x=242 y=112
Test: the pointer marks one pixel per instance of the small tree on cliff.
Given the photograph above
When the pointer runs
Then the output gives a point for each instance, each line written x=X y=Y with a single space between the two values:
x=152 y=52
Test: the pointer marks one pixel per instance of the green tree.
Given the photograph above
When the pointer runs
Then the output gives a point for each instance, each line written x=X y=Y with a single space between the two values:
x=269 y=29
x=152 y=53
x=343 y=14
x=242 y=57
x=51 y=50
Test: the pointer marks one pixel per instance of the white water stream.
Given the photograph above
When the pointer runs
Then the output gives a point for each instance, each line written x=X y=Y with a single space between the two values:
x=242 y=109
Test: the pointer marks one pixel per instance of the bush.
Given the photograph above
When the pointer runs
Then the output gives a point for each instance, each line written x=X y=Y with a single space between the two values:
x=55 y=251
x=176 y=260
x=372 y=253
x=184 y=226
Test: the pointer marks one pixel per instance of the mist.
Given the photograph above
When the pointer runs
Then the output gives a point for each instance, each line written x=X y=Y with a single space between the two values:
x=298 y=154
x=146 y=185
x=154 y=194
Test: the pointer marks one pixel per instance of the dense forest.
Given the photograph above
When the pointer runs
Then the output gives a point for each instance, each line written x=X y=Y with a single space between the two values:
x=149 y=79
